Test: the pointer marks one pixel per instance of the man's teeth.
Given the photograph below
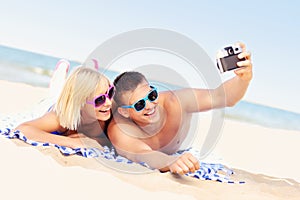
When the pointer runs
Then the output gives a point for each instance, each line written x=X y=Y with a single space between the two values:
x=151 y=112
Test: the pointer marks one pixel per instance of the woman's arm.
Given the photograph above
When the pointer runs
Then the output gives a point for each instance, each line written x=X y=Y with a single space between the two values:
x=40 y=130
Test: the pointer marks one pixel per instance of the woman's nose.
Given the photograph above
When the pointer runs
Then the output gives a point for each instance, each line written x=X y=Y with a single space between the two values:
x=108 y=102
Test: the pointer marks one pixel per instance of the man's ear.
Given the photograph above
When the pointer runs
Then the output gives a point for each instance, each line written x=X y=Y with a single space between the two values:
x=124 y=112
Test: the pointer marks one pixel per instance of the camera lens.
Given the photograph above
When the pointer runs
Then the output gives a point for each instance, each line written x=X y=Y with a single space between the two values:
x=230 y=51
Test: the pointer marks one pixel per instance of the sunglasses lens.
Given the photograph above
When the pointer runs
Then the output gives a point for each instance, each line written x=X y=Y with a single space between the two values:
x=140 y=105
x=100 y=100
x=111 y=92
x=153 y=95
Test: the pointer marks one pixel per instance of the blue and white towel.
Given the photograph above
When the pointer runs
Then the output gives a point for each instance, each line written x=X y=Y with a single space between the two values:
x=207 y=171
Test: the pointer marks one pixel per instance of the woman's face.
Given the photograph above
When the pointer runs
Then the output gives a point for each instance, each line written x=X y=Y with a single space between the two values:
x=103 y=101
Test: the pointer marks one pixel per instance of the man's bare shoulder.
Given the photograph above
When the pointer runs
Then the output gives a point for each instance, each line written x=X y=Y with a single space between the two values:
x=169 y=95
x=169 y=99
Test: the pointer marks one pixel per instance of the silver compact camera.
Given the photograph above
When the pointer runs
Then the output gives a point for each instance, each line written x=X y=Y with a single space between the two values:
x=227 y=58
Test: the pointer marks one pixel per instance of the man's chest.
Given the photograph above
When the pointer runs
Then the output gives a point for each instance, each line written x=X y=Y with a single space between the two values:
x=171 y=136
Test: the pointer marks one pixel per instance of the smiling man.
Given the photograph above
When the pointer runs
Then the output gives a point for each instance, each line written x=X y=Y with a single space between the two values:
x=148 y=126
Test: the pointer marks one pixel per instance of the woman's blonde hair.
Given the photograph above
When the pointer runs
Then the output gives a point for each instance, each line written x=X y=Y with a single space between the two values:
x=79 y=86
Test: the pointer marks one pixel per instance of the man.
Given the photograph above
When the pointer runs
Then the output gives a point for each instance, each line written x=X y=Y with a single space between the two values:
x=149 y=128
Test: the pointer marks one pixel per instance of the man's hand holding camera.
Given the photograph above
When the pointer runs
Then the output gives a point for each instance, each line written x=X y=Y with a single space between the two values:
x=245 y=70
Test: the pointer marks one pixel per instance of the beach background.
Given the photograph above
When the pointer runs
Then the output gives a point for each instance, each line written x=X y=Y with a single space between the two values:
x=261 y=134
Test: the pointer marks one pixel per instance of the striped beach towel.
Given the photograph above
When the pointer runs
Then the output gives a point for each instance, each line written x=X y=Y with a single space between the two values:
x=207 y=171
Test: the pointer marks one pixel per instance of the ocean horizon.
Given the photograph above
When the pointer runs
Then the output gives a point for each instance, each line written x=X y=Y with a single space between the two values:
x=36 y=69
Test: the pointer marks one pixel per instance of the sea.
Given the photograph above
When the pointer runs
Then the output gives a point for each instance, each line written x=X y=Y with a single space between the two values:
x=36 y=69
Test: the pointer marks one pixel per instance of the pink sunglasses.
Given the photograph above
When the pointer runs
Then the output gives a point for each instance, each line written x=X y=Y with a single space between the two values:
x=101 y=99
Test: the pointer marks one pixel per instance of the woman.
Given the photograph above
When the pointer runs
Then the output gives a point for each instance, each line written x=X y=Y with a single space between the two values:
x=84 y=106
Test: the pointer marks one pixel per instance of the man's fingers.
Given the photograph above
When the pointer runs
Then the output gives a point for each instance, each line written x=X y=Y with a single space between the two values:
x=176 y=170
x=241 y=45
x=179 y=167
x=184 y=168
x=193 y=163
x=246 y=55
x=189 y=165
x=245 y=63
x=186 y=163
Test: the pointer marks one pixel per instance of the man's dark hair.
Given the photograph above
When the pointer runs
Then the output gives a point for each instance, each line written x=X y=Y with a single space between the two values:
x=127 y=81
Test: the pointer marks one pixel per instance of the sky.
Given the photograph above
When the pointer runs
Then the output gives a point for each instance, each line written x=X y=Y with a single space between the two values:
x=73 y=29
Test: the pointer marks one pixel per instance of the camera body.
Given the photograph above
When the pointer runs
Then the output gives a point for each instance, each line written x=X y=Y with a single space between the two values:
x=227 y=58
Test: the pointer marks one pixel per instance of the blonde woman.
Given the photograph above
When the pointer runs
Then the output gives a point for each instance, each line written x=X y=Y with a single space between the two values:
x=83 y=109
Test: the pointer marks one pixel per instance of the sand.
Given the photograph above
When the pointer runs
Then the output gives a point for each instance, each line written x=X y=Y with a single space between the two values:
x=263 y=157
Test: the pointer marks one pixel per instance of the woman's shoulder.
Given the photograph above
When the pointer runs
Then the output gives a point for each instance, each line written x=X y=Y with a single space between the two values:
x=51 y=115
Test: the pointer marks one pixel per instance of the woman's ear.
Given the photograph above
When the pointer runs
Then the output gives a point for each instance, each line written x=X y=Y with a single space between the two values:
x=124 y=112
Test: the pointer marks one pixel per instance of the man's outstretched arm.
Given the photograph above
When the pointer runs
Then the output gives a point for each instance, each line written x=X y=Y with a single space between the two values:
x=227 y=94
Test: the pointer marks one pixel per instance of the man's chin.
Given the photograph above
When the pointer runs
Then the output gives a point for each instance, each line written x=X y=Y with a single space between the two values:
x=154 y=118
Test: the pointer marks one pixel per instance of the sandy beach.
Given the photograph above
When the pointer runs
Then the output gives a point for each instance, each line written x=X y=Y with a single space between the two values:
x=264 y=158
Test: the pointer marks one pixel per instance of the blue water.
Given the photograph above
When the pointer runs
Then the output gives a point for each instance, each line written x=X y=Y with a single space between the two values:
x=264 y=115
x=36 y=69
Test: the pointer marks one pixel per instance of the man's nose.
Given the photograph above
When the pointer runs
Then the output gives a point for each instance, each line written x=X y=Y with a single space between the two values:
x=149 y=105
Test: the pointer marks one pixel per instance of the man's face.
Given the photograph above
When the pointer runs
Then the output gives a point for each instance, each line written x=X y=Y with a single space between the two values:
x=150 y=112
